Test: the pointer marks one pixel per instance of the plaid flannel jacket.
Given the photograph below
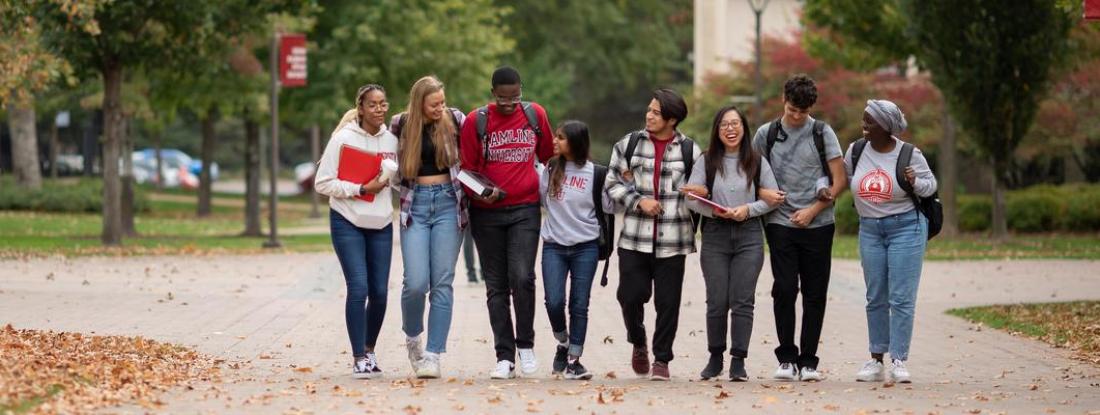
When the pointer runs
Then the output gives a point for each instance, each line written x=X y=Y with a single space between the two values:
x=675 y=233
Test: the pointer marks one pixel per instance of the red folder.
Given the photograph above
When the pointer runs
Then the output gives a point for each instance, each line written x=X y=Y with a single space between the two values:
x=358 y=166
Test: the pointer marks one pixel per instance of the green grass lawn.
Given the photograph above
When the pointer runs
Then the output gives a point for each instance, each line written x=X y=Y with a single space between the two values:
x=966 y=247
x=168 y=227
x=1074 y=325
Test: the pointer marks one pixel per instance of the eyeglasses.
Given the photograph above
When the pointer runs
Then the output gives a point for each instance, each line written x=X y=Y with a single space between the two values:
x=374 y=106
x=508 y=101
x=729 y=125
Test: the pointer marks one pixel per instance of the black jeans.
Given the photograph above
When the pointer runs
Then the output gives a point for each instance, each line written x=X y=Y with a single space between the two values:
x=801 y=261
x=507 y=243
x=640 y=274
x=731 y=258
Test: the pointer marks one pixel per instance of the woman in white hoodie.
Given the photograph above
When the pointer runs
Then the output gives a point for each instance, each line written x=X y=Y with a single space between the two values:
x=362 y=231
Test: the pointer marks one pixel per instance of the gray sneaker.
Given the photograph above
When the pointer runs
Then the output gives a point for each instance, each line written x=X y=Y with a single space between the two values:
x=786 y=371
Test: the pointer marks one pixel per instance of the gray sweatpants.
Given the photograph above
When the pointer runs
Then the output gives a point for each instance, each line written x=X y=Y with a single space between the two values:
x=731 y=258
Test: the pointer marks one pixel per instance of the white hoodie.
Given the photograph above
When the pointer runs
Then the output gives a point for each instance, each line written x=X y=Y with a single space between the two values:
x=342 y=194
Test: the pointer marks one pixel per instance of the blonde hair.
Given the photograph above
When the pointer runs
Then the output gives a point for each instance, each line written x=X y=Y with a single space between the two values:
x=444 y=136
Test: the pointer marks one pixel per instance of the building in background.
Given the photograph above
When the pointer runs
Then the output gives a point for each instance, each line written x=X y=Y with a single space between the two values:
x=725 y=31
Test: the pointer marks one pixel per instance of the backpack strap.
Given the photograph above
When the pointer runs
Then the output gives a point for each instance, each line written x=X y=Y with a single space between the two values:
x=687 y=154
x=532 y=118
x=631 y=145
x=482 y=126
x=904 y=157
x=599 y=172
x=773 y=135
x=857 y=152
x=819 y=142
x=756 y=178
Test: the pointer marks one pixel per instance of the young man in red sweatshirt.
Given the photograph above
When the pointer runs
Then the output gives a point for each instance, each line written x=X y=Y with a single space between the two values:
x=503 y=141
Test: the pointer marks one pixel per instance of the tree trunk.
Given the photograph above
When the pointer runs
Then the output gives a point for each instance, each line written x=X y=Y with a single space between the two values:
x=24 y=145
x=315 y=155
x=160 y=158
x=55 y=143
x=949 y=174
x=112 y=126
x=127 y=180
x=251 y=178
x=1000 y=218
x=207 y=157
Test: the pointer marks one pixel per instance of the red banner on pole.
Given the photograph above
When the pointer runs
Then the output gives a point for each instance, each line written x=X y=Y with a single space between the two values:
x=1092 y=9
x=292 y=60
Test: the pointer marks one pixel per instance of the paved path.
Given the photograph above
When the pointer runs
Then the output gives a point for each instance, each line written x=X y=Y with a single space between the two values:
x=283 y=313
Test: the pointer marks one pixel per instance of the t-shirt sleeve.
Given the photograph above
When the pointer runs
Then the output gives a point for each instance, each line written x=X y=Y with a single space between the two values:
x=545 y=146
x=926 y=181
x=849 y=169
x=767 y=181
x=832 y=144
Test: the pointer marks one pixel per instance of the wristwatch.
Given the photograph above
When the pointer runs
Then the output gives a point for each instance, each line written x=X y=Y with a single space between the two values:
x=362 y=189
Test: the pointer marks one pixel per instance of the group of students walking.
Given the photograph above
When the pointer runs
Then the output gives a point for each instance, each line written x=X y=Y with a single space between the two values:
x=780 y=187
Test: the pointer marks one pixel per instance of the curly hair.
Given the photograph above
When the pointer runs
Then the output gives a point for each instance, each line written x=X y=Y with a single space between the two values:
x=800 y=91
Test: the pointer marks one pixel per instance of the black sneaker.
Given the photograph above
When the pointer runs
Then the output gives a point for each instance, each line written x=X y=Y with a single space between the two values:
x=560 y=359
x=737 y=370
x=714 y=367
x=577 y=371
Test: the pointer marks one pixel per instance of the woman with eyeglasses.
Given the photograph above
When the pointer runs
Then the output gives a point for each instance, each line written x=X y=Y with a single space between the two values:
x=730 y=173
x=362 y=231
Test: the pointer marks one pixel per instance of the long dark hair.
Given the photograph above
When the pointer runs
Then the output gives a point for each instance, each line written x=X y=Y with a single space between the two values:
x=749 y=160
x=576 y=134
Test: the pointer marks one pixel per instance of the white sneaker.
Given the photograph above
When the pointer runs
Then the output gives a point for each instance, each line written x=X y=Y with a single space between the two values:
x=361 y=368
x=899 y=373
x=810 y=374
x=872 y=371
x=786 y=371
x=527 y=362
x=416 y=353
x=504 y=370
x=429 y=366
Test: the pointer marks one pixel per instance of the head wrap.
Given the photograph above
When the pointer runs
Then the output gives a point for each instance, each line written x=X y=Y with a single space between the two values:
x=887 y=115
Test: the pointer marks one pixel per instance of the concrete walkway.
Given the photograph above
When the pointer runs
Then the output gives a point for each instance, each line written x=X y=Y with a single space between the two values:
x=282 y=315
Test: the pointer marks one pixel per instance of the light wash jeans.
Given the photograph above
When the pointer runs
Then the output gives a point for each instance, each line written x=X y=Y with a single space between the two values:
x=429 y=247
x=892 y=252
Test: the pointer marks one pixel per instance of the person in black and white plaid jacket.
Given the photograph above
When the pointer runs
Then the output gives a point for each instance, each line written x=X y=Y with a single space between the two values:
x=657 y=227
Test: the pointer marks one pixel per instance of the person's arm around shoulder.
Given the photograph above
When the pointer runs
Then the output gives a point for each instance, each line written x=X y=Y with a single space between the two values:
x=920 y=175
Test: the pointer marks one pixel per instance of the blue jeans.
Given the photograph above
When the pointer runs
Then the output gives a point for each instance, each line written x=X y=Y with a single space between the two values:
x=429 y=247
x=892 y=252
x=577 y=262
x=365 y=259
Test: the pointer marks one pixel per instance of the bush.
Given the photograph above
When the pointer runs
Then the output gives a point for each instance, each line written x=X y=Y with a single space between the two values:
x=71 y=196
x=1042 y=208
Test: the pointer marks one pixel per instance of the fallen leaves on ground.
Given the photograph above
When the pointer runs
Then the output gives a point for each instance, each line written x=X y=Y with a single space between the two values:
x=1072 y=325
x=59 y=372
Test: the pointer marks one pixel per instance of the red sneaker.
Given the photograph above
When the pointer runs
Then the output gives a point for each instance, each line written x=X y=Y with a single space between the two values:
x=660 y=371
x=639 y=361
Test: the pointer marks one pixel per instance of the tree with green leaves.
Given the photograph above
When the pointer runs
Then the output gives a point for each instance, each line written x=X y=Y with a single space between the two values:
x=108 y=39
x=993 y=61
x=866 y=35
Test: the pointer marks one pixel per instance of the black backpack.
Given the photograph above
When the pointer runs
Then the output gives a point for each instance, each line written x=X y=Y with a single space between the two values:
x=929 y=206
x=606 y=241
x=687 y=150
x=819 y=142
x=483 y=124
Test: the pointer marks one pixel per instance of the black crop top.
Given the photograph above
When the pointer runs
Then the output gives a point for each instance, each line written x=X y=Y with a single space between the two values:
x=427 y=155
